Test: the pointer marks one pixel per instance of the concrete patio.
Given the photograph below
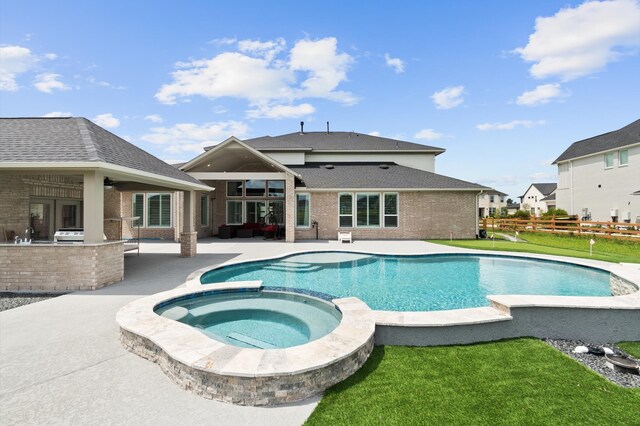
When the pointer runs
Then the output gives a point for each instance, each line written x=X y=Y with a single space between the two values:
x=61 y=360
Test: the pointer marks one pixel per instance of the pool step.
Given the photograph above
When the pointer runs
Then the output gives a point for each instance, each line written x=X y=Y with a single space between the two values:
x=293 y=267
x=251 y=341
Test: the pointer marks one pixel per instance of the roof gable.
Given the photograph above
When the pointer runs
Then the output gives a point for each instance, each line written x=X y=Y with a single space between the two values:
x=628 y=135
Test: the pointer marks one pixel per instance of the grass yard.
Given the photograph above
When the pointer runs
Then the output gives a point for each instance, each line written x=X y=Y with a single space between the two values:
x=521 y=381
x=560 y=245
x=632 y=348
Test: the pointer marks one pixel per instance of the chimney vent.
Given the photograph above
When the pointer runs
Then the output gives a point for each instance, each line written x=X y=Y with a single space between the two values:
x=302 y=127
x=327 y=127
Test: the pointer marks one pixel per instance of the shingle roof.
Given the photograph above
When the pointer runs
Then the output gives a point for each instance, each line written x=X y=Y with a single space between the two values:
x=73 y=140
x=550 y=197
x=628 y=135
x=372 y=175
x=545 y=188
x=347 y=141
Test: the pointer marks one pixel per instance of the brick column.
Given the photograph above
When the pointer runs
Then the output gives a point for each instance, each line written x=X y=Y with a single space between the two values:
x=188 y=244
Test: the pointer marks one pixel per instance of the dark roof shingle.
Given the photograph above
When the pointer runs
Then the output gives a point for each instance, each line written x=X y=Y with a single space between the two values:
x=372 y=175
x=628 y=135
x=73 y=140
x=545 y=188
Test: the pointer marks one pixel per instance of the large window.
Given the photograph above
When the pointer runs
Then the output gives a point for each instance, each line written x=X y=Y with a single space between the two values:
x=623 y=157
x=234 y=212
x=138 y=208
x=204 y=210
x=256 y=210
x=302 y=211
x=234 y=188
x=390 y=210
x=608 y=160
x=255 y=188
x=276 y=208
x=276 y=188
x=159 y=210
x=346 y=210
x=367 y=210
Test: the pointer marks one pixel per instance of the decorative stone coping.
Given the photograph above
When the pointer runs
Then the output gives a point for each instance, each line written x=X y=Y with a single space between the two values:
x=246 y=376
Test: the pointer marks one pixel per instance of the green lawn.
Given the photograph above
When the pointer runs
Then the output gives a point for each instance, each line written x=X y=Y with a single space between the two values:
x=632 y=348
x=560 y=245
x=522 y=381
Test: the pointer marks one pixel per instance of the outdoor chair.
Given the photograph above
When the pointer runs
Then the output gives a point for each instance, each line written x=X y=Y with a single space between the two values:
x=344 y=236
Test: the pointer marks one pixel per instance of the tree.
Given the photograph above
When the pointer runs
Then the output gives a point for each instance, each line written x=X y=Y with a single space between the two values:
x=510 y=201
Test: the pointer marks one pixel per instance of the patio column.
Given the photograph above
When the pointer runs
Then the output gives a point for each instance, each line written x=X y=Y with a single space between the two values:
x=290 y=207
x=93 y=216
x=188 y=237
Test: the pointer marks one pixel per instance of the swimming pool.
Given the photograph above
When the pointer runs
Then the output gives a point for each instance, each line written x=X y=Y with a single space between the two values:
x=418 y=283
x=255 y=319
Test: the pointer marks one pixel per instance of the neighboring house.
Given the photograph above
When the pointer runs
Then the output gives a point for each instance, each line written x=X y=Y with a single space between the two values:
x=491 y=202
x=538 y=198
x=71 y=173
x=512 y=208
x=598 y=176
x=318 y=183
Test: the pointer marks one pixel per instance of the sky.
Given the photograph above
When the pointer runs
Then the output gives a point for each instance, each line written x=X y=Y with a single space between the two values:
x=504 y=86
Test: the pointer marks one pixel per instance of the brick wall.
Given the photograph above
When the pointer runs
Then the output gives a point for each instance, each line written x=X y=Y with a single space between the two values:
x=60 y=267
x=422 y=215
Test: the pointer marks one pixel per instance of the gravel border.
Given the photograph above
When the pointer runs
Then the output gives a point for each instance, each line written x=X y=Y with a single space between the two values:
x=597 y=363
x=10 y=300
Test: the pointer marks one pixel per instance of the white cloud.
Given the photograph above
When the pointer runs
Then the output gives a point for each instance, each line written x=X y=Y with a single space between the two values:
x=510 y=125
x=50 y=56
x=154 y=118
x=106 y=120
x=192 y=138
x=374 y=133
x=542 y=94
x=224 y=41
x=58 y=114
x=428 y=134
x=261 y=74
x=580 y=41
x=14 y=60
x=281 y=111
x=448 y=98
x=396 y=63
x=48 y=82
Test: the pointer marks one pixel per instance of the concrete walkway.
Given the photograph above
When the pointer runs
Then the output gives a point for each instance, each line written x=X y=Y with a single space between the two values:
x=61 y=361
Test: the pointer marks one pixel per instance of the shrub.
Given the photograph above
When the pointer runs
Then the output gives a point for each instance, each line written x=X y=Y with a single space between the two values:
x=554 y=212
x=522 y=214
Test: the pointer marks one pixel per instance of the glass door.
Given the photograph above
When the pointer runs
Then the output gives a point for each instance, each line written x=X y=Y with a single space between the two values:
x=41 y=219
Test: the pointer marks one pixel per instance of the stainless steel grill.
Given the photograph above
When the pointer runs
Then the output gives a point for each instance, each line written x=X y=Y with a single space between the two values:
x=69 y=235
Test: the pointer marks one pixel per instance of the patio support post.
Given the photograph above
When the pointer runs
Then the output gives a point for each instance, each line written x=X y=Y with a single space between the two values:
x=290 y=208
x=188 y=237
x=93 y=216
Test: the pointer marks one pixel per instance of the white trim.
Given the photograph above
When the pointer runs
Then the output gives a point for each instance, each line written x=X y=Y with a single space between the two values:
x=238 y=175
x=605 y=160
x=380 y=208
x=146 y=211
x=619 y=163
x=384 y=213
x=226 y=215
x=304 y=189
x=296 y=210
x=346 y=215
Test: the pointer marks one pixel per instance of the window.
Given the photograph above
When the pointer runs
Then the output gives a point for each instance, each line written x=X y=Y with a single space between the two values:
x=302 y=210
x=368 y=210
x=234 y=212
x=533 y=210
x=234 y=188
x=492 y=198
x=256 y=210
x=623 y=158
x=138 y=208
x=159 y=210
x=608 y=160
x=345 y=212
x=255 y=188
x=204 y=210
x=390 y=210
x=275 y=188
x=492 y=211
x=276 y=207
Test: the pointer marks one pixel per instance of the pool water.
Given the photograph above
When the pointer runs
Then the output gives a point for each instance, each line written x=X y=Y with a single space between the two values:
x=419 y=283
x=256 y=319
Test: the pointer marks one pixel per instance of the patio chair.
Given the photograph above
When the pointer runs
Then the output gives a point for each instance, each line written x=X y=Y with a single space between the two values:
x=344 y=236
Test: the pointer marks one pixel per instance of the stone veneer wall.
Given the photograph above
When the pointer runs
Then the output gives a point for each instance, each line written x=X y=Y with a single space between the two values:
x=422 y=215
x=60 y=267
x=258 y=391
x=620 y=286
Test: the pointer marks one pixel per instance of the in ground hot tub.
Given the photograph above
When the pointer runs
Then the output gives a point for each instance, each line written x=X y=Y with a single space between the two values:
x=258 y=319
x=242 y=344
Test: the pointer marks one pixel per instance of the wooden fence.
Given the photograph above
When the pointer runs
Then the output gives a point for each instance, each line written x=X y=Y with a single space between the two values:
x=564 y=226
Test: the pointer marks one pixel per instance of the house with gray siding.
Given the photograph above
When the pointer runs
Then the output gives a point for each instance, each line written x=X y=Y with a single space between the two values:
x=599 y=177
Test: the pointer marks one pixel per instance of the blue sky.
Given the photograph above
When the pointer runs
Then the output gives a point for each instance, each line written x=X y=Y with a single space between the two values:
x=503 y=86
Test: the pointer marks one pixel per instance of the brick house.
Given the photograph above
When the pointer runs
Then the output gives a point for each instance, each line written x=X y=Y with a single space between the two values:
x=71 y=173
x=319 y=183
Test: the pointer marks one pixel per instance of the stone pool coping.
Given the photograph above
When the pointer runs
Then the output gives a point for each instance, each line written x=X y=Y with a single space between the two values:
x=193 y=348
x=500 y=305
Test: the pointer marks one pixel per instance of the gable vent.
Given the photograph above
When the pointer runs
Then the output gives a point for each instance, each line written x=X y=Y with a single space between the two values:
x=328 y=166
x=384 y=166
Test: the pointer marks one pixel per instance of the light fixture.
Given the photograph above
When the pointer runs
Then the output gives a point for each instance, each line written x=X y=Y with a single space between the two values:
x=108 y=183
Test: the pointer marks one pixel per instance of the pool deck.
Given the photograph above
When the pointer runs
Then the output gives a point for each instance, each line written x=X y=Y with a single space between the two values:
x=61 y=360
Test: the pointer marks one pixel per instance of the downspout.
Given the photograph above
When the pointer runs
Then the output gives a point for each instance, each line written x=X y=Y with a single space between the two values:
x=571 y=186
